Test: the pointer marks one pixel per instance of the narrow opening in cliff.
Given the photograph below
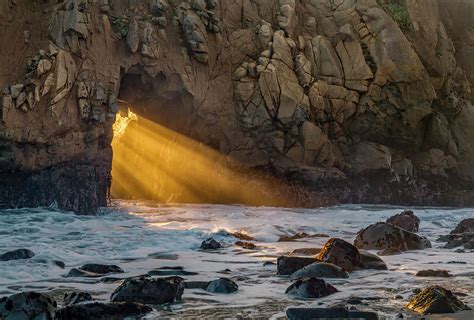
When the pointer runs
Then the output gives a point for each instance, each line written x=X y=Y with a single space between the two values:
x=155 y=158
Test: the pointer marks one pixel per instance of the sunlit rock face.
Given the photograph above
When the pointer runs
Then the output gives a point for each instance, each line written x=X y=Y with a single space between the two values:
x=356 y=100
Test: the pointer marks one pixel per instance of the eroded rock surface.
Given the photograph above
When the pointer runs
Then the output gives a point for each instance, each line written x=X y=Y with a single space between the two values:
x=341 y=253
x=436 y=299
x=342 y=98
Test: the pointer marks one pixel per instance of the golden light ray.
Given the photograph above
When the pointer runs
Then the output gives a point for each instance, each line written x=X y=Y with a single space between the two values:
x=153 y=162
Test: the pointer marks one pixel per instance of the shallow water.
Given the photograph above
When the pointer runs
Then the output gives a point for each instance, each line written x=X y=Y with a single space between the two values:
x=140 y=237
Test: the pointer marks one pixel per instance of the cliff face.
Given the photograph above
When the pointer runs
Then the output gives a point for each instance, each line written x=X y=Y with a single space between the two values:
x=360 y=100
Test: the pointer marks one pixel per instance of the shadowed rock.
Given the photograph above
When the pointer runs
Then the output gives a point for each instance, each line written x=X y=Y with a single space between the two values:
x=320 y=270
x=406 y=220
x=369 y=260
x=436 y=299
x=386 y=236
x=328 y=313
x=288 y=265
x=101 y=268
x=310 y=288
x=301 y=235
x=434 y=273
x=76 y=298
x=340 y=253
x=222 y=285
x=19 y=254
x=73 y=273
x=149 y=291
x=466 y=225
x=102 y=311
x=246 y=245
x=305 y=252
x=26 y=306
x=210 y=244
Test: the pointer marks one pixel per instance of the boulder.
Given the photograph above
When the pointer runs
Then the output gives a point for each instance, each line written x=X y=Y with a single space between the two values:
x=328 y=313
x=383 y=236
x=465 y=239
x=222 y=285
x=210 y=244
x=102 y=311
x=368 y=260
x=76 y=298
x=433 y=273
x=406 y=220
x=436 y=299
x=466 y=225
x=310 y=288
x=101 y=268
x=320 y=270
x=149 y=291
x=20 y=254
x=27 y=306
x=289 y=265
x=340 y=253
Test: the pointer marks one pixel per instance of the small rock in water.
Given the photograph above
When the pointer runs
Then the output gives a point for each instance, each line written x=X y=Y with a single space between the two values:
x=246 y=245
x=196 y=284
x=76 y=298
x=466 y=225
x=436 y=299
x=289 y=265
x=433 y=273
x=60 y=264
x=222 y=285
x=163 y=256
x=19 y=254
x=75 y=273
x=97 y=310
x=368 y=260
x=101 y=269
x=210 y=244
x=406 y=220
x=243 y=236
x=305 y=252
x=27 y=305
x=328 y=313
x=171 y=271
x=149 y=291
x=340 y=253
x=301 y=235
x=310 y=288
x=320 y=270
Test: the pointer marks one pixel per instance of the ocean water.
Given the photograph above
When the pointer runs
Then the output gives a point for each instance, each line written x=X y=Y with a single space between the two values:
x=140 y=237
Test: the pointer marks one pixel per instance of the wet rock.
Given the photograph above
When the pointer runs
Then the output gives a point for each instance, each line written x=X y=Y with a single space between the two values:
x=27 y=306
x=386 y=236
x=406 y=220
x=433 y=273
x=222 y=285
x=163 y=256
x=310 y=288
x=149 y=291
x=243 y=236
x=269 y=263
x=171 y=271
x=301 y=235
x=436 y=299
x=210 y=244
x=101 y=268
x=60 y=264
x=369 y=260
x=289 y=265
x=76 y=298
x=340 y=253
x=320 y=270
x=19 y=254
x=196 y=284
x=246 y=245
x=466 y=225
x=305 y=252
x=97 y=310
x=463 y=239
x=75 y=273
x=328 y=313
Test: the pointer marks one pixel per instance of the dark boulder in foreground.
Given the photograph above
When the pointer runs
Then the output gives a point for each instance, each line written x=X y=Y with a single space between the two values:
x=222 y=285
x=76 y=298
x=341 y=253
x=436 y=299
x=433 y=273
x=310 y=288
x=210 y=244
x=406 y=220
x=328 y=313
x=368 y=260
x=19 y=254
x=101 y=268
x=27 y=306
x=288 y=265
x=105 y=311
x=320 y=270
x=384 y=236
x=149 y=291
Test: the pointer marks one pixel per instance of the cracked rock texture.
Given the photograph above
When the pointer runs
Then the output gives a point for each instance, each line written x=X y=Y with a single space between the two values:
x=337 y=96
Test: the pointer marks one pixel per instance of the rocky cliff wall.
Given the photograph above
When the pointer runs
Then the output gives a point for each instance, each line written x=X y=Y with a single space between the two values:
x=358 y=100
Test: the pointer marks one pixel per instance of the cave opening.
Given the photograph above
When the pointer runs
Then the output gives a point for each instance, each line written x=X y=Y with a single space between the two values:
x=159 y=152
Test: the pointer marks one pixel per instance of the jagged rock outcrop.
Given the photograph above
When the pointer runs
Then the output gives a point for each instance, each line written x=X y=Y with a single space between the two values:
x=344 y=98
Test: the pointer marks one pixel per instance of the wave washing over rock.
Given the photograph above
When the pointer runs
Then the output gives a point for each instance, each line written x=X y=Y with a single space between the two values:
x=361 y=101
x=164 y=241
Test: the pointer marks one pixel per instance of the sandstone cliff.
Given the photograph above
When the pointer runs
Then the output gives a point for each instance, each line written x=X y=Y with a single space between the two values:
x=358 y=100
